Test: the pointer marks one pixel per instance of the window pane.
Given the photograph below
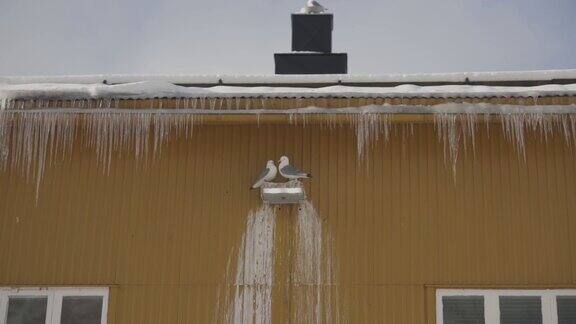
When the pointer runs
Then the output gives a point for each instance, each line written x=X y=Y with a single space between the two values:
x=81 y=310
x=566 y=309
x=520 y=310
x=27 y=310
x=463 y=309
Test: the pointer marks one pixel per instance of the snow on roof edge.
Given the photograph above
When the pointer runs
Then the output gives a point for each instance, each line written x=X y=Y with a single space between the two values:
x=504 y=76
x=147 y=90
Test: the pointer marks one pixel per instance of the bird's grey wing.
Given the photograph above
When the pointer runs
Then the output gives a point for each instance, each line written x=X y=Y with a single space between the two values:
x=318 y=5
x=292 y=171
x=263 y=174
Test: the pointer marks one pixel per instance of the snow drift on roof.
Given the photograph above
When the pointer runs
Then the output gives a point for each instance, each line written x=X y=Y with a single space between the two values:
x=157 y=89
x=302 y=79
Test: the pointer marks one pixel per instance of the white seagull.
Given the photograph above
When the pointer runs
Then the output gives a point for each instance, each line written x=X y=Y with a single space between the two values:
x=267 y=175
x=290 y=172
x=313 y=7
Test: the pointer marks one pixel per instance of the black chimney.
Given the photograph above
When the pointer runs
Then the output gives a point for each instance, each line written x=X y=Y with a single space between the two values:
x=311 y=48
x=312 y=33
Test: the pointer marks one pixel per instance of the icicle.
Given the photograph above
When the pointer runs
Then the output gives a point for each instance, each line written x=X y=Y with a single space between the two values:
x=229 y=103
x=468 y=125
x=573 y=127
x=456 y=130
x=514 y=126
x=448 y=134
x=34 y=138
x=304 y=118
x=3 y=141
x=30 y=141
x=369 y=127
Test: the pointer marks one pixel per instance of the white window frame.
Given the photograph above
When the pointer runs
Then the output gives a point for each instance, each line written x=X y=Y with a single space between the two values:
x=54 y=303
x=5 y=293
x=492 y=301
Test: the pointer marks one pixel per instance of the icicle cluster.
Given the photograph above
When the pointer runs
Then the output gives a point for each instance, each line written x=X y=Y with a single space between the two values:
x=369 y=128
x=28 y=140
x=457 y=131
x=207 y=103
x=32 y=139
x=515 y=127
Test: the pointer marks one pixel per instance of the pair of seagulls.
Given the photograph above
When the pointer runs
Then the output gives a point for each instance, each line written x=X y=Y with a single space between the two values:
x=313 y=7
x=286 y=170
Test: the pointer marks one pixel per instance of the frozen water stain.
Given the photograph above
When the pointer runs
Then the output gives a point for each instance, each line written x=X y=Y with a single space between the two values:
x=312 y=276
x=316 y=295
x=255 y=270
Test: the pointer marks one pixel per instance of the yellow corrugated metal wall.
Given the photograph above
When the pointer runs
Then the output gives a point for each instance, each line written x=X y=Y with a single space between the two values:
x=159 y=231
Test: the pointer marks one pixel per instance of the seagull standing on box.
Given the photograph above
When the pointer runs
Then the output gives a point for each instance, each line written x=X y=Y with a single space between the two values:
x=267 y=175
x=313 y=7
x=289 y=172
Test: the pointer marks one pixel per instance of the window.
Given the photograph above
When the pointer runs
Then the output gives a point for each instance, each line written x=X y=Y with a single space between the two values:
x=505 y=306
x=566 y=309
x=463 y=309
x=523 y=309
x=53 y=305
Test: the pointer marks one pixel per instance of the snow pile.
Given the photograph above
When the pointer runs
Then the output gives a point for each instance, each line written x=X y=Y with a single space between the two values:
x=402 y=91
x=146 y=89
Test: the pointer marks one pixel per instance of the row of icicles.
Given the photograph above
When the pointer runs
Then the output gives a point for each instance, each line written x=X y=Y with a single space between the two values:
x=30 y=140
x=193 y=103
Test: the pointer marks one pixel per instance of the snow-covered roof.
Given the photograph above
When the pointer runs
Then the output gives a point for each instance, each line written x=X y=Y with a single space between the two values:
x=157 y=89
x=551 y=84
x=486 y=78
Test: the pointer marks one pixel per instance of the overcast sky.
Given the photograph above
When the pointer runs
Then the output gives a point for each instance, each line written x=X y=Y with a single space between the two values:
x=54 y=37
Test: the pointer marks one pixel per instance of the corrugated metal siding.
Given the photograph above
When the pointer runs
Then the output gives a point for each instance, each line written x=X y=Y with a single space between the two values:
x=160 y=230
